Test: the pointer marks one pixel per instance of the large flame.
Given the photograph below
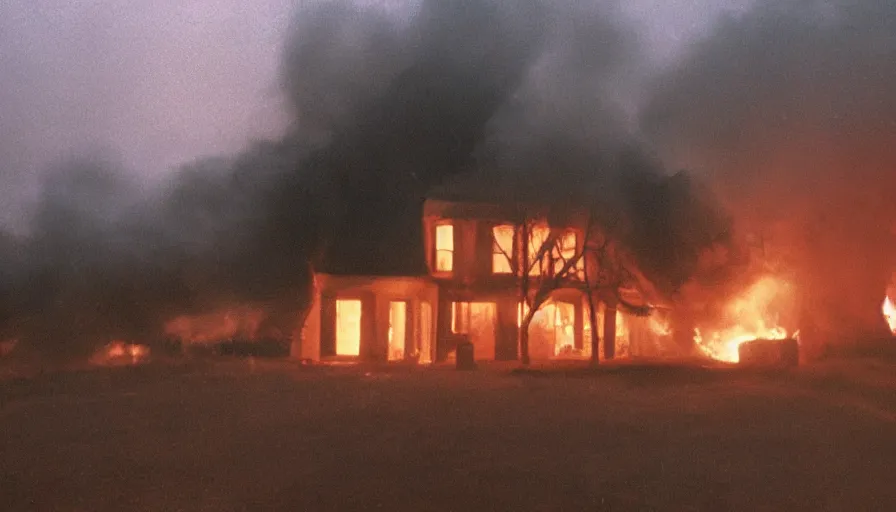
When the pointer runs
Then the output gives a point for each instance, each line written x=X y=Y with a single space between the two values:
x=747 y=317
x=889 y=309
x=660 y=326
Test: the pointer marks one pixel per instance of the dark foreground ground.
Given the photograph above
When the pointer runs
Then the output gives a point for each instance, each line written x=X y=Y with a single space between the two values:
x=275 y=436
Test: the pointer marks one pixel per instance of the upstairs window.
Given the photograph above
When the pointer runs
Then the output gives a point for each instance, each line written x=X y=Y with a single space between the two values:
x=538 y=236
x=444 y=248
x=567 y=251
x=502 y=249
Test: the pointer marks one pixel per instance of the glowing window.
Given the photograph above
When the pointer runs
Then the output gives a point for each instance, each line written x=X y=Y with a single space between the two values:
x=444 y=248
x=348 y=327
x=398 y=318
x=538 y=236
x=460 y=317
x=567 y=252
x=502 y=249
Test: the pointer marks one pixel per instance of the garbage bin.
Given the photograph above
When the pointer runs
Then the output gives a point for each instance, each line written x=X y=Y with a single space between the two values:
x=465 y=355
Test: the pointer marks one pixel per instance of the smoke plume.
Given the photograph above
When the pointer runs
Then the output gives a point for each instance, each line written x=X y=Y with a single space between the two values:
x=383 y=108
x=789 y=110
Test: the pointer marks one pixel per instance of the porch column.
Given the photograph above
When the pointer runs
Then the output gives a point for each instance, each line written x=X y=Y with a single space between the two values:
x=609 y=332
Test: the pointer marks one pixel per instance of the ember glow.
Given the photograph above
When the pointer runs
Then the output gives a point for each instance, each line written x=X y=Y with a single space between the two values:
x=889 y=309
x=120 y=352
x=749 y=316
x=224 y=324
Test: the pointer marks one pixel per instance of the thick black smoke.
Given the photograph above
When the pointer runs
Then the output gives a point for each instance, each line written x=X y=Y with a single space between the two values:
x=384 y=110
x=790 y=110
x=565 y=134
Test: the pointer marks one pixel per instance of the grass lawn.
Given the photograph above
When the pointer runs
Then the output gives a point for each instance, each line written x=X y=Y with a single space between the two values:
x=228 y=435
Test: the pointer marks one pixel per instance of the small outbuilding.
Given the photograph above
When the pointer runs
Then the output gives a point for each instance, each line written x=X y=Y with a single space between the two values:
x=370 y=318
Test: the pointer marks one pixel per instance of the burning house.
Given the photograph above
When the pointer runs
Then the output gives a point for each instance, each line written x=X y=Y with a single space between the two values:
x=386 y=109
x=497 y=262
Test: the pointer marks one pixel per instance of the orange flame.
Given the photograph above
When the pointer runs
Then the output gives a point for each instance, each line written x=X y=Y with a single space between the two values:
x=750 y=319
x=120 y=352
x=889 y=309
x=659 y=326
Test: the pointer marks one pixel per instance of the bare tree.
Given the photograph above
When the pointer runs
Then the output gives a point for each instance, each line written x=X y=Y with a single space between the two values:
x=543 y=261
x=542 y=264
x=607 y=272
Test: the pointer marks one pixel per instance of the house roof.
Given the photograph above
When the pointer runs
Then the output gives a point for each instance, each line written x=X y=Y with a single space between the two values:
x=491 y=186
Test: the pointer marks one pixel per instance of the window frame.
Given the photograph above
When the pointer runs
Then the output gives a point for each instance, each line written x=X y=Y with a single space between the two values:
x=564 y=252
x=503 y=254
x=537 y=268
x=437 y=251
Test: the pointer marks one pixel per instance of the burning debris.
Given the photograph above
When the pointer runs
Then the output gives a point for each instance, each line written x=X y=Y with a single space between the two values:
x=121 y=353
x=889 y=310
x=752 y=315
x=798 y=143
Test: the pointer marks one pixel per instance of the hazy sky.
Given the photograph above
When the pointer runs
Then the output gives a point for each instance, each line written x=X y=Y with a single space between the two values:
x=163 y=82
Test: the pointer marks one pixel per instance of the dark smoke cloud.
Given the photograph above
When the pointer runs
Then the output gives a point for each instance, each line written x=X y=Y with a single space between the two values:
x=383 y=109
x=566 y=132
x=790 y=111
x=414 y=120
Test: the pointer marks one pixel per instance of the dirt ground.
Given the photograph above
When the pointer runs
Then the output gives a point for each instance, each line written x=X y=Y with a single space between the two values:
x=278 y=436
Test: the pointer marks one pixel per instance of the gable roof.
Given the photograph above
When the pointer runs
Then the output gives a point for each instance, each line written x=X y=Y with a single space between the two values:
x=492 y=186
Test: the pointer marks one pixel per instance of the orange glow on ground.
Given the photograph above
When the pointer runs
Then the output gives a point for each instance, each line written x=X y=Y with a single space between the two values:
x=749 y=318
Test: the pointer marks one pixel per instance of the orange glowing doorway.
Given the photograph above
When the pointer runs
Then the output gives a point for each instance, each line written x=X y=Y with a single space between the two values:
x=482 y=329
x=425 y=355
x=398 y=321
x=552 y=330
x=348 y=327
x=477 y=320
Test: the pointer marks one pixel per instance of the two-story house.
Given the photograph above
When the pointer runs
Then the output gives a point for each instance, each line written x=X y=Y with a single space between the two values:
x=481 y=272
